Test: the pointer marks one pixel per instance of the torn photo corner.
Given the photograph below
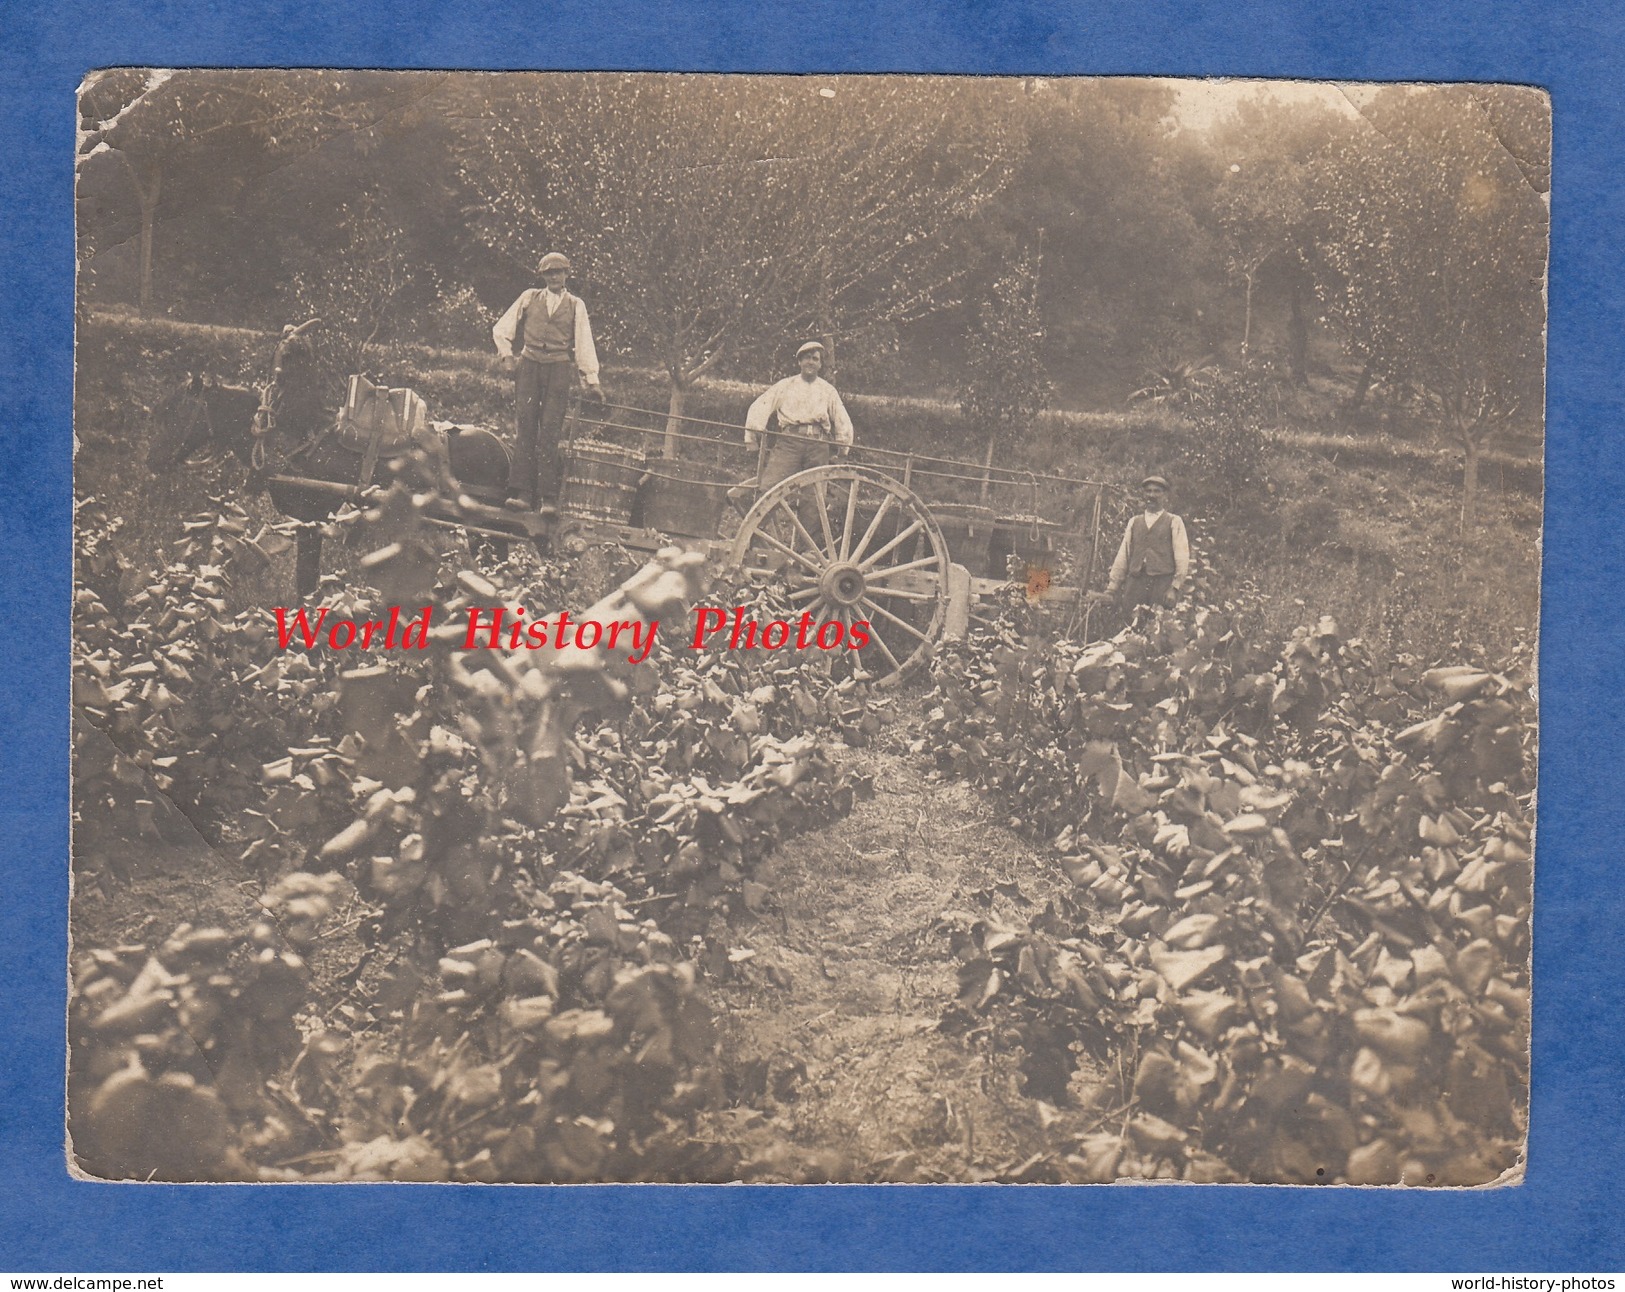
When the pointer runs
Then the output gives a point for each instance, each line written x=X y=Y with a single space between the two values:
x=797 y=629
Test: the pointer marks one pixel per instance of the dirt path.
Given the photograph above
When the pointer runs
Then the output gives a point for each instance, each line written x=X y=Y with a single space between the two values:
x=832 y=1021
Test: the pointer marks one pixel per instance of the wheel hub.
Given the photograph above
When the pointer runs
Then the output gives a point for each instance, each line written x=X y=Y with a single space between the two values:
x=843 y=583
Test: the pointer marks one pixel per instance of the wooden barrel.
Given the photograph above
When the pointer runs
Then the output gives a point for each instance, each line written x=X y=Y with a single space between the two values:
x=600 y=482
x=967 y=528
x=681 y=498
x=1033 y=542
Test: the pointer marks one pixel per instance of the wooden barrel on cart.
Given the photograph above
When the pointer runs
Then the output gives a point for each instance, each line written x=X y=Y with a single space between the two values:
x=967 y=528
x=682 y=498
x=1034 y=543
x=600 y=482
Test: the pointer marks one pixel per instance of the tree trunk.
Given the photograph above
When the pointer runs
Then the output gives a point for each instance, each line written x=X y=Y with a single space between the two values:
x=1469 y=482
x=1298 y=335
x=987 y=467
x=1360 y=388
x=674 y=417
x=148 y=197
x=1247 y=320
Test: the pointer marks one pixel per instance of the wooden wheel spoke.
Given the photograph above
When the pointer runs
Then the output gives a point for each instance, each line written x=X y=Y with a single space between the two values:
x=861 y=670
x=789 y=532
x=863 y=543
x=907 y=627
x=851 y=519
x=822 y=490
x=880 y=576
x=895 y=597
x=900 y=593
x=869 y=561
x=812 y=543
x=878 y=640
x=852 y=658
x=789 y=551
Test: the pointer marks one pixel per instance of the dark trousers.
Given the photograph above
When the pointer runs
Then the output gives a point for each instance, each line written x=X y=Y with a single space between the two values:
x=780 y=458
x=542 y=397
x=791 y=453
x=1146 y=589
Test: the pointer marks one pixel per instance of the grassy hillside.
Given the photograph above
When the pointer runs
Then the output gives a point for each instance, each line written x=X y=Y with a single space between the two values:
x=1360 y=526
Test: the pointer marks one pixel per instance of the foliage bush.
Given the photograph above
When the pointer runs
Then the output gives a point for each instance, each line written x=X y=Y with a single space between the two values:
x=1176 y=384
x=1005 y=382
x=1302 y=894
x=538 y=866
x=1222 y=464
x=174 y=1051
x=186 y=719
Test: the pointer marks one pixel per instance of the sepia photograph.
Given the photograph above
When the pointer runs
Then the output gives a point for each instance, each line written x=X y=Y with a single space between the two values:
x=817 y=629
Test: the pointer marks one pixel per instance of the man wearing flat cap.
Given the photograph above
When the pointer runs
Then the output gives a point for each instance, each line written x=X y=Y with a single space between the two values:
x=1153 y=562
x=813 y=424
x=546 y=334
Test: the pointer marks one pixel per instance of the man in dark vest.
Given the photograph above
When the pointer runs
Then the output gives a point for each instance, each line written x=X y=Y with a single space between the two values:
x=545 y=335
x=1153 y=562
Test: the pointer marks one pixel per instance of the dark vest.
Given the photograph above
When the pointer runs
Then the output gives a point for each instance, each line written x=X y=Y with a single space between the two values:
x=548 y=338
x=1151 y=547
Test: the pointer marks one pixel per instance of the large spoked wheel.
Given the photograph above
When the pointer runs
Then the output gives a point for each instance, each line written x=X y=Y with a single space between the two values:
x=854 y=546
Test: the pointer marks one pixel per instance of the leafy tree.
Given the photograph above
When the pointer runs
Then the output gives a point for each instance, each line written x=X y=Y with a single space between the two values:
x=1258 y=209
x=1263 y=155
x=1437 y=235
x=903 y=165
x=357 y=292
x=185 y=139
x=1107 y=177
x=1224 y=464
x=709 y=213
x=1005 y=382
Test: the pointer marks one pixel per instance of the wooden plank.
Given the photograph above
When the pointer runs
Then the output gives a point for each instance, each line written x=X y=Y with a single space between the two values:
x=957 y=622
x=589 y=532
x=1055 y=592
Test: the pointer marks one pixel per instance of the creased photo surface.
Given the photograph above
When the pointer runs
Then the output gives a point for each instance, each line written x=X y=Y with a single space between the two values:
x=802 y=629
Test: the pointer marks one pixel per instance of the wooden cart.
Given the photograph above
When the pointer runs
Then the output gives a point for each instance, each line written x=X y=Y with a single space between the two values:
x=859 y=539
x=856 y=540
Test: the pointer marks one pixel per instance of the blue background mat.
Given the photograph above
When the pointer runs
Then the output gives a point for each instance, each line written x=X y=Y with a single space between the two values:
x=1567 y=1216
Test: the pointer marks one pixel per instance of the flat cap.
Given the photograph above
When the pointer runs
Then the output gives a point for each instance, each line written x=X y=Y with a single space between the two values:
x=553 y=260
x=1159 y=481
x=811 y=347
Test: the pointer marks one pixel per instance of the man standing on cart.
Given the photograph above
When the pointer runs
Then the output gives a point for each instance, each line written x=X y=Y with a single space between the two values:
x=813 y=423
x=546 y=338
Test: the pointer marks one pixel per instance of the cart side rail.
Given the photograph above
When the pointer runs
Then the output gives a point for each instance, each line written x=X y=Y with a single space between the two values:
x=905 y=461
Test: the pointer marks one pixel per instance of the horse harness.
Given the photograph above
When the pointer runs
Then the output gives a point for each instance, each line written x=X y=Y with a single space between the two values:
x=375 y=420
x=264 y=422
x=265 y=416
x=270 y=400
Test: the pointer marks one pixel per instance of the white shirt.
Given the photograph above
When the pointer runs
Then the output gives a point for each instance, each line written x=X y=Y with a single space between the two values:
x=507 y=329
x=798 y=401
x=1182 y=551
